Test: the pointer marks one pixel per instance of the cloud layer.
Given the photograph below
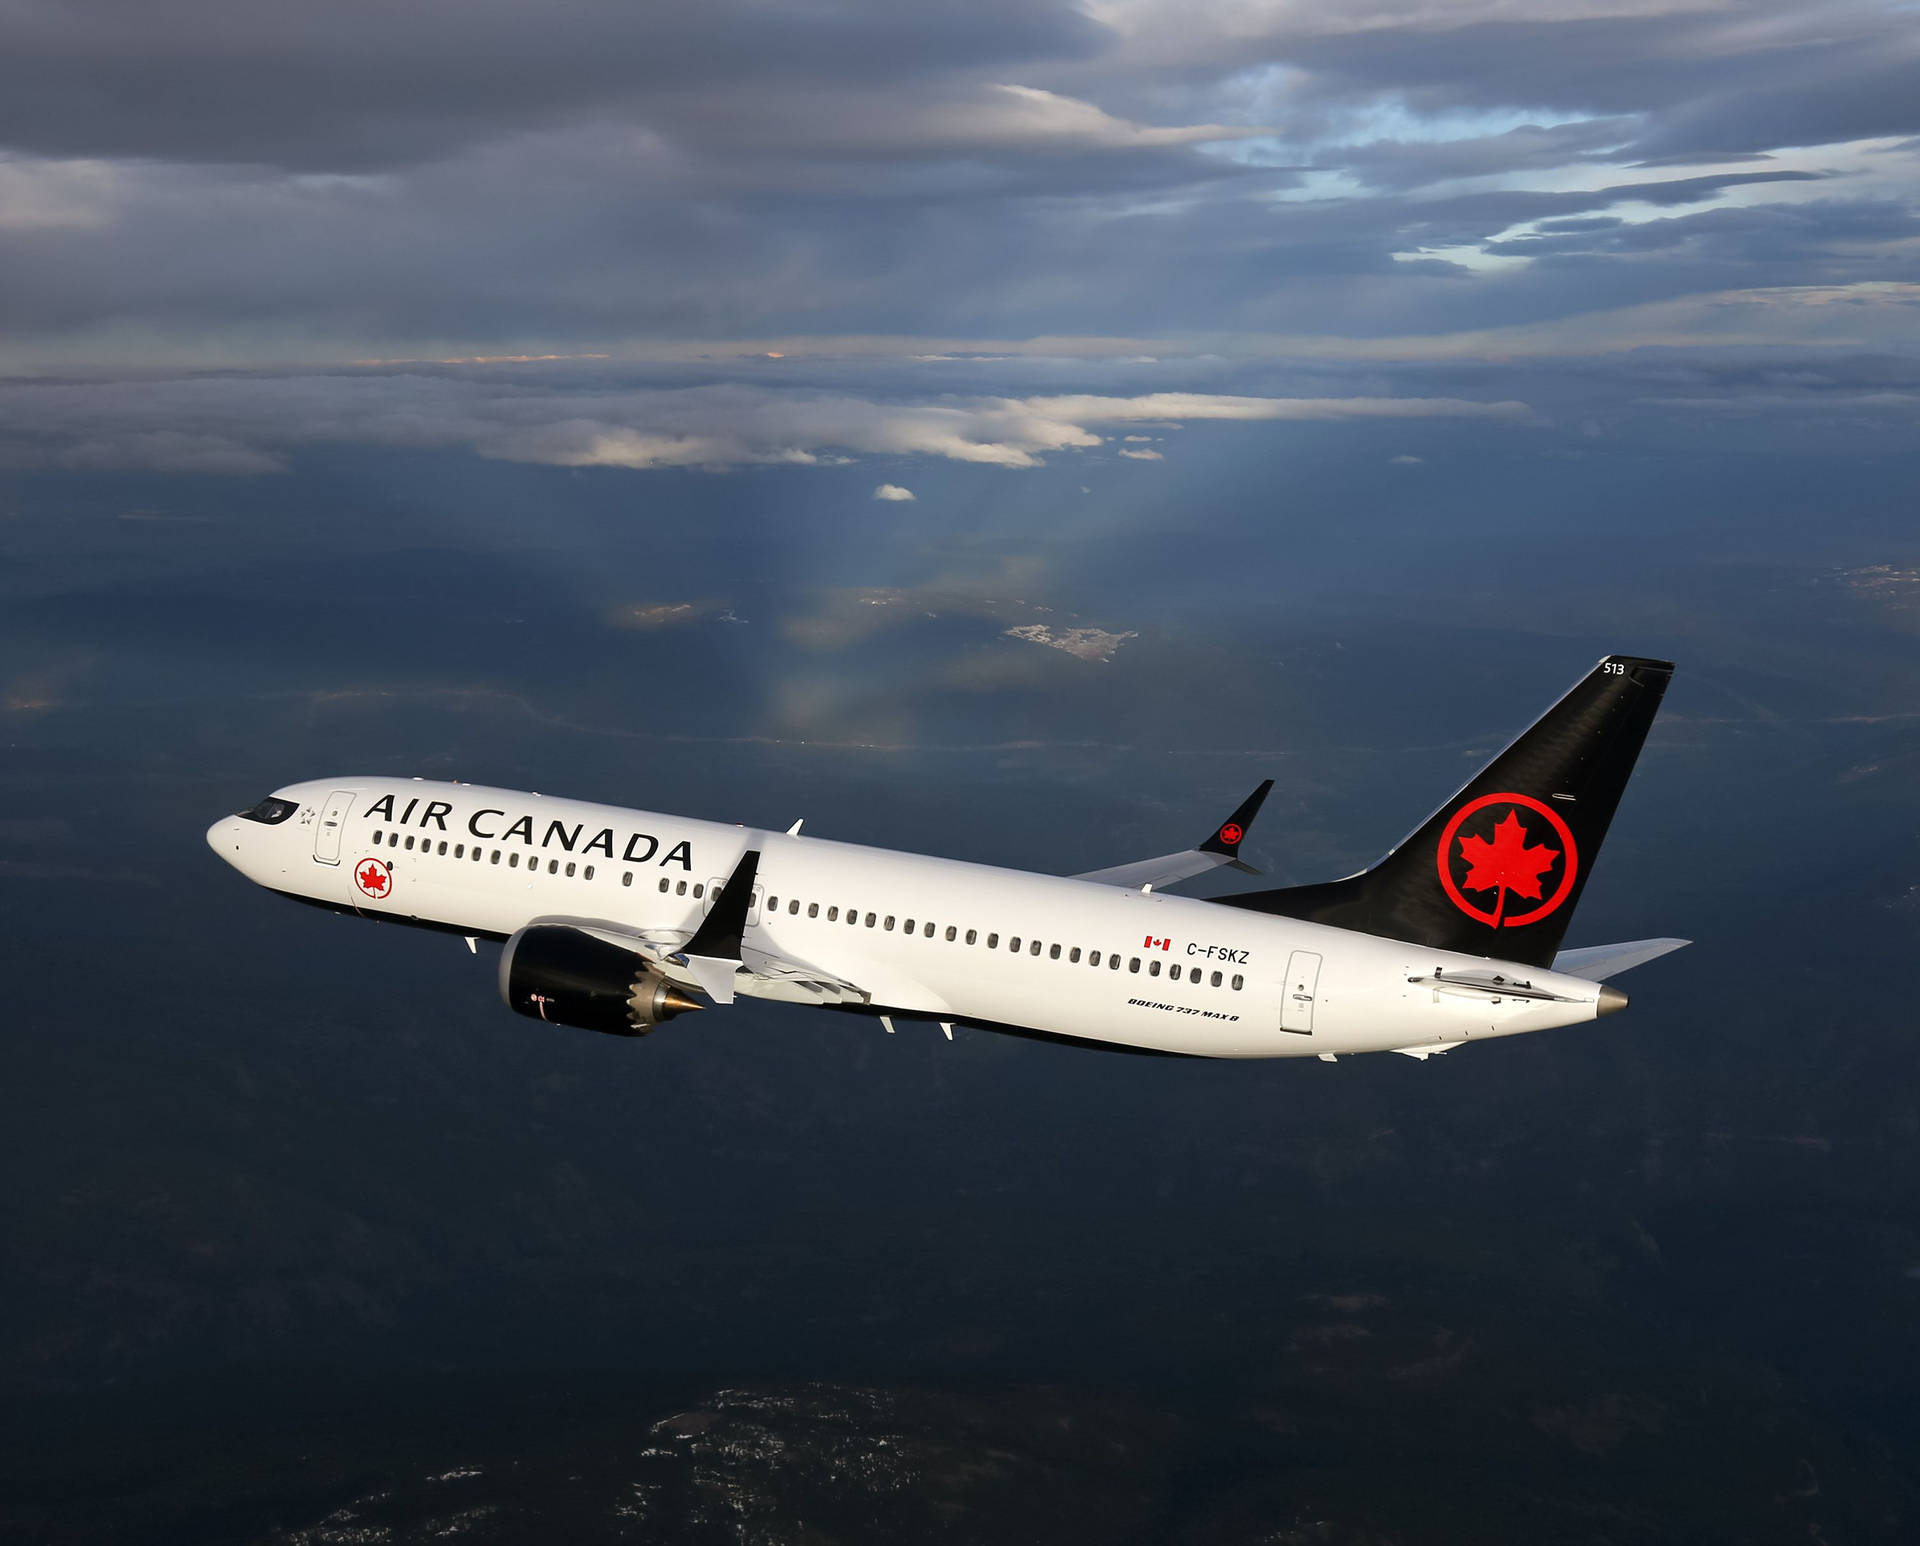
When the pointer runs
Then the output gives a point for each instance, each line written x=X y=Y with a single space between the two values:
x=212 y=183
x=244 y=424
x=1156 y=212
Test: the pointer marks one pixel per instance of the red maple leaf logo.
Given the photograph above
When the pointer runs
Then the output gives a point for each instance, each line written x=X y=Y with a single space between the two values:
x=1231 y=833
x=1507 y=863
x=373 y=879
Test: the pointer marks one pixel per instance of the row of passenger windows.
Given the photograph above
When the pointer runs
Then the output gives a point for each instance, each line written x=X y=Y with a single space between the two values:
x=697 y=889
x=477 y=854
x=1072 y=954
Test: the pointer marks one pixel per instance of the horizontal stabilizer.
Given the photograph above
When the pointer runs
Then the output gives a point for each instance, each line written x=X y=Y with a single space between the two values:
x=1597 y=963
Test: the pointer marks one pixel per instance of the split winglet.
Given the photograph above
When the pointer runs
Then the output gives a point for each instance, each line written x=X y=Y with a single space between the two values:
x=714 y=953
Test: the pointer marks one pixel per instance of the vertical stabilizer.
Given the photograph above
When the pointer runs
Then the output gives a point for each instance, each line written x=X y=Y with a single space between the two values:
x=1498 y=869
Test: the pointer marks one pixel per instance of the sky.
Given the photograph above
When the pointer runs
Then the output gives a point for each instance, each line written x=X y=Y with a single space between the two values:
x=586 y=234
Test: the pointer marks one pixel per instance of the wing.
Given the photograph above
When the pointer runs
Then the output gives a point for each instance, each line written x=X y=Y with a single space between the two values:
x=1596 y=963
x=760 y=974
x=1221 y=846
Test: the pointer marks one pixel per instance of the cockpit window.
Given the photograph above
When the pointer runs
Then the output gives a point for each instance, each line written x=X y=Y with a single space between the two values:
x=271 y=811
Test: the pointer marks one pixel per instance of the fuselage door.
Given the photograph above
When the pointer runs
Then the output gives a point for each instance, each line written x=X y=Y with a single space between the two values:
x=1297 y=992
x=333 y=821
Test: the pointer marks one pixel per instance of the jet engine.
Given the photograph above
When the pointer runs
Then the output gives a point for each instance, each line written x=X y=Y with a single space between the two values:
x=566 y=976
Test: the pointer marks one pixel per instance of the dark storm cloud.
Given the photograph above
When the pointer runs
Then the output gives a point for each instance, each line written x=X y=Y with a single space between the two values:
x=209 y=182
x=360 y=84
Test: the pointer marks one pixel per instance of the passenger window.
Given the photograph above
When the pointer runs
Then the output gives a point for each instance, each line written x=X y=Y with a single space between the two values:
x=1153 y=968
x=1034 y=950
x=459 y=850
x=699 y=889
x=626 y=879
x=589 y=872
x=379 y=838
x=927 y=931
x=833 y=915
x=496 y=857
x=870 y=920
x=889 y=923
x=1073 y=955
x=409 y=840
x=993 y=942
x=1093 y=958
x=907 y=930
x=1237 y=979
x=1216 y=980
x=679 y=888
x=513 y=860
x=553 y=867
x=952 y=933
x=1133 y=964
x=773 y=904
x=813 y=910
x=569 y=869
x=793 y=907
x=443 y=846
x=1113 y=963
x=1053 y=952
x=972 y=935
x=1014 y=944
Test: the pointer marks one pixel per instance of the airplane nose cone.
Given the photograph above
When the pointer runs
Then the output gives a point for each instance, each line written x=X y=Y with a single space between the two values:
x=223 y=837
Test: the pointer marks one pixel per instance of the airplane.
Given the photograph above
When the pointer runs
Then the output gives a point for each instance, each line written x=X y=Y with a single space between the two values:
x=618 y=920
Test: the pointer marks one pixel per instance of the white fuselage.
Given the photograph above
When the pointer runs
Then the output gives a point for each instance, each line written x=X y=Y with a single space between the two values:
x=922 y=937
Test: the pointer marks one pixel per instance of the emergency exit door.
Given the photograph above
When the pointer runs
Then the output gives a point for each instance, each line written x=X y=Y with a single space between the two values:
x=327 y=830
x=1296 y=999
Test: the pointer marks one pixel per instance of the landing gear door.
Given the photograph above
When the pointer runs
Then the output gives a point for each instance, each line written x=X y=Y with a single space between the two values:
x=1297 y=992
x=333 y=821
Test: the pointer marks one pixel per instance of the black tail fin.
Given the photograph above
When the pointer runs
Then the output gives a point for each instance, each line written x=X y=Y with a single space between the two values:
x=1498 y=869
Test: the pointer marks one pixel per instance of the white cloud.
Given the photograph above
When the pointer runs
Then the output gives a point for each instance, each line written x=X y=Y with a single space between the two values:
x=43 y=195
x=1407 y=461
x=244 y=423
x=1027 y=117
x=893 y=491
x=1204 y=405
x=1143 y=456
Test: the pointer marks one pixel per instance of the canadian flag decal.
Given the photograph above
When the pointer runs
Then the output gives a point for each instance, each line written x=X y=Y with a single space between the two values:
x=1157 y=944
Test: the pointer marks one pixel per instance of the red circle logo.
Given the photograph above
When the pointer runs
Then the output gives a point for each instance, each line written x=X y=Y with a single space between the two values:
x=1231 y=833
x=373 y=878
x=1514 y=858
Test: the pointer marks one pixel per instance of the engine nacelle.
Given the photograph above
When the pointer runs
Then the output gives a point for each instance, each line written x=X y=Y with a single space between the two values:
x=565 y=976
